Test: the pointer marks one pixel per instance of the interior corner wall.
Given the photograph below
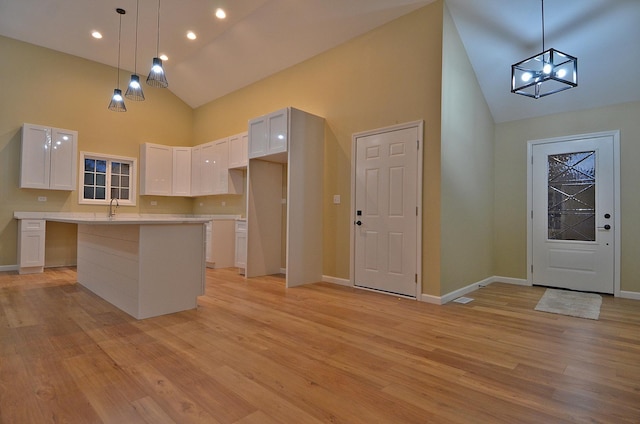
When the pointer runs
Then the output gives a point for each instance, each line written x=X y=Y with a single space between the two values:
x=511 y=183
x=387 y=76
x=45 y=87
x=467 y=170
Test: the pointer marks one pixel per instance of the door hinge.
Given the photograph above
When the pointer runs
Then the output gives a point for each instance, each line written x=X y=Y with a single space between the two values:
x=531 y=159
x=416 y=278
x=532 y=214
x=532 y=268
x=416 y=211
x=417 y=144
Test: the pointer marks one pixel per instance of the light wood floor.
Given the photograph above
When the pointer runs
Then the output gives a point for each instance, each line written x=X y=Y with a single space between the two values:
x=257 y=353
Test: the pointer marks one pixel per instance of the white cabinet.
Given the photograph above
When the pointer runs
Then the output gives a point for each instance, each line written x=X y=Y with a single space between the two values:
x=156 y=167
x=220 y=246
x=210 y=172
x=269 y=136
x=165 y=170
x=49 y=158
x=241 y=244
x=238 y=150
x=304 y=170
x=181 y=175
x=31 y=245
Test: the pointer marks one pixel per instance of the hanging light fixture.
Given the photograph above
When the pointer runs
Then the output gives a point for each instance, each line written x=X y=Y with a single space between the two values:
x=134 y=91
x=156 y=76
x=546 y=73
x=117 y=102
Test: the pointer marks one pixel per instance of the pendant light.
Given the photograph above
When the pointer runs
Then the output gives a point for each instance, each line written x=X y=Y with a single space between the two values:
x=156 y=76
x=134 y=91
x=546 y=73
x=117 y=102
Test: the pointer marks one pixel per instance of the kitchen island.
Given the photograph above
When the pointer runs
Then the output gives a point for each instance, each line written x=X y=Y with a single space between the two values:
x=145 y=265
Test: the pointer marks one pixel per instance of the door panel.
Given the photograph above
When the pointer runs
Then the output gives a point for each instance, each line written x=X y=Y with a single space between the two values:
x=573 y=214
x=386 y=204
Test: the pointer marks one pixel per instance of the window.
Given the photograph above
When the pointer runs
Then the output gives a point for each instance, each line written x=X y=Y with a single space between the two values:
x=106 y=177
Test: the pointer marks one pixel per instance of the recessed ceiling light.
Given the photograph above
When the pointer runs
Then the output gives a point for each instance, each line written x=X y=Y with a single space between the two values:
x=220 y=14
x=96 y=34
x=164 y=57
x=191 y=35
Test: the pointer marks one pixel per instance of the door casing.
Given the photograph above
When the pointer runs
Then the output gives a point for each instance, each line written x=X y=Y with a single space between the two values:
x=414 y=124
x=616 y=182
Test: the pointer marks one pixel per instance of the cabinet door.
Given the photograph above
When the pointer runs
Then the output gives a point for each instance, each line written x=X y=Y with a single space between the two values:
x=258 y=137
x=221 y=167
x=196 y=177
x=36 y=158
x=241 y=244
x=181 y=184
x=277 y=123
x=31 y=243
x=156 y=163
x=207 y=170
x=64 y=151
x=238 y=150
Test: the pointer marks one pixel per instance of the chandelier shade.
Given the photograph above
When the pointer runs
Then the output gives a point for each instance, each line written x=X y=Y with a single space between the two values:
x=546 y=73
x=156 y=77
x=117 y=102
x=134 y=90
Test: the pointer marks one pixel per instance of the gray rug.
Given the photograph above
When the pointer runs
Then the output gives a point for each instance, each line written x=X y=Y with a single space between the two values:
x=575 y=304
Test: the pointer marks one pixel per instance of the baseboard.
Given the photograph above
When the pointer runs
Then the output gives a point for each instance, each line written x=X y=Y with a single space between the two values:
x=4 y=268
x=336 y=280
x=441 y=300
x=629 y=295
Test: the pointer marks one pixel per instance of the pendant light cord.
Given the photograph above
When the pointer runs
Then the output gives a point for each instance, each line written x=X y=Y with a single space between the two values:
x=158 y=39
x=542 y=25
x=119 y=35
x=135 y=54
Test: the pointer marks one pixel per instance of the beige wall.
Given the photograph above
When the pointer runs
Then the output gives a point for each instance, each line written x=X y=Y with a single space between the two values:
x=511 y=184
x=467 y=170
x=44 y=87
x=390 y=75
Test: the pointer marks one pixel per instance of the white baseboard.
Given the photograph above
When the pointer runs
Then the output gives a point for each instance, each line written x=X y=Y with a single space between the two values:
x=336 y=280
x=629 y=295
x=441 y=300
x=4 y=268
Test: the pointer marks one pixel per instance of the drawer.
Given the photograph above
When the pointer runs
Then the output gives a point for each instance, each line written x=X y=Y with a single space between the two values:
x=32 y=225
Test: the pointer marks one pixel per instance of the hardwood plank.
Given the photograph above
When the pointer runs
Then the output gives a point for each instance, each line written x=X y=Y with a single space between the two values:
x=256 y=352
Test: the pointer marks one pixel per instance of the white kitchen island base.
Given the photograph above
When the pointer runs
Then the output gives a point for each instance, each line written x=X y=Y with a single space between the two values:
x=144 y=269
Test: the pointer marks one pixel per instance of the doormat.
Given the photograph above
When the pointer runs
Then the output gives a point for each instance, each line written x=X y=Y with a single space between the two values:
x=575 y=304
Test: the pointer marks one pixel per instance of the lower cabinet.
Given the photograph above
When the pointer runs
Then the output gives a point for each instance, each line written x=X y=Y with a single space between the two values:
x=241 y=245
x=221 y=243
x=31 y=245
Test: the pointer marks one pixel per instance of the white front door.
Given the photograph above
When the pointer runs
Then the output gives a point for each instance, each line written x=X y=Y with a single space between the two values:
x=386 y=214
x=573 y=213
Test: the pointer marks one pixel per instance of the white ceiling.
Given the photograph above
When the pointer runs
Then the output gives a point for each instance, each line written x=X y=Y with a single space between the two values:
x=261 y=37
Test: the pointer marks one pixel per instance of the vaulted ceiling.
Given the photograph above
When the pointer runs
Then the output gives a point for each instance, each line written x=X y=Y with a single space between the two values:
x=261 y=37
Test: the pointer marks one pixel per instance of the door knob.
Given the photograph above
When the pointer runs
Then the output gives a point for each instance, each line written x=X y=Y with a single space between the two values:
x=358 y=222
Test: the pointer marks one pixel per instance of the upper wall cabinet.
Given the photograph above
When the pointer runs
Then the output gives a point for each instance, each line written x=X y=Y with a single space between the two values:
x=156 y=169
x=238 y=150
x=268 y=136
x=165 y=170
x=49 y=158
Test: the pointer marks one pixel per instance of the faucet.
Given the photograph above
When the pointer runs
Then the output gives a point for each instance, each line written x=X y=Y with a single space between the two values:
x=112 y=210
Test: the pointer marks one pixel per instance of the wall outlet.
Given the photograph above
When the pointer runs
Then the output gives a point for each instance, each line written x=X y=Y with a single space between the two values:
x=154 y=203
x=42 y=198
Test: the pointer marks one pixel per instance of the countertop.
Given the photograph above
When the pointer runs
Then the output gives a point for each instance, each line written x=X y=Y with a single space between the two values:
x=124 y=218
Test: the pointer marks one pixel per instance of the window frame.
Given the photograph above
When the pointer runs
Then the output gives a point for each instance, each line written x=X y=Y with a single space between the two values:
x=108 y=158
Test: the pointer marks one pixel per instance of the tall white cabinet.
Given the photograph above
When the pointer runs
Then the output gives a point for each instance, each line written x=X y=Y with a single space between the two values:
x=49 y=158
x=288 y=142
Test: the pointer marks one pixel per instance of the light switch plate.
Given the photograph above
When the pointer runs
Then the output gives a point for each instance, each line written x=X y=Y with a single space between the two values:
x=336 y=199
